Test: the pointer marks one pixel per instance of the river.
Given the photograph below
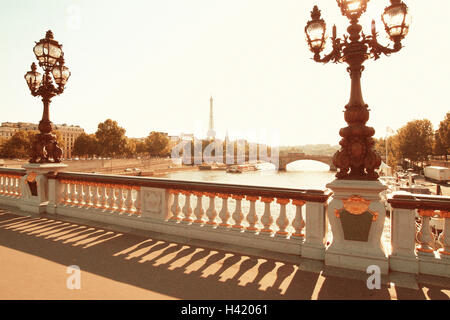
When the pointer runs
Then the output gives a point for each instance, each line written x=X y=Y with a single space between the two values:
x=303 y=174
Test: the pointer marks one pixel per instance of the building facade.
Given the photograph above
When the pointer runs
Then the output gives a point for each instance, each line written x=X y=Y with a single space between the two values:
x=68 y=133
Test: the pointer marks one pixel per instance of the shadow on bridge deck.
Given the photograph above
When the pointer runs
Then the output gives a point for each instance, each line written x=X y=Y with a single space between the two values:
x=120 y=265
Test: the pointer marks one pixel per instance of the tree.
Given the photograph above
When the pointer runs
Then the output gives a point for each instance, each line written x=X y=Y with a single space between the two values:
x=19 y=145
x=442 y=138
x=111 y=139
x=415 y=140
x=85 y=145
x=141 y=147
x=157 y=144
x=130 y=147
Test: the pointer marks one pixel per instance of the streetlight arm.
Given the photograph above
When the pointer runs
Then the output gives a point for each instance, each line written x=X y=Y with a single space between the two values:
x=335 y=55
x=376 y=49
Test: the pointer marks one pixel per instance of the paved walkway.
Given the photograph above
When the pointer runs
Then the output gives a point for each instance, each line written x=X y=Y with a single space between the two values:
x=128 y=264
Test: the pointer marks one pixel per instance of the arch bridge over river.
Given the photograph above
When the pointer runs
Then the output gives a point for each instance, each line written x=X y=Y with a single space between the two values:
x=280 y=162
x=284 y=160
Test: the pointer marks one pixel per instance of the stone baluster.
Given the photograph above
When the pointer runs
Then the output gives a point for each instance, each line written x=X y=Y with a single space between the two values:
x=65 y=197
x=103 y=197
x=87 y=194
x=175 y=208
x=2 y=184
x=199 y=212
x=73 y=193
x=187 y=209
x=444 y=237
x=425 y=236
x=7 y=185
x=17 y=184
x=111 y=197
x=137 y=202
x=252 y=217
x=224 y=214
x=211 y=213
x=19 y=187
x=266 y=219
x=13 y=186
x=129 y=200
x=80 y=193
x=298 y=223
x=7 y=178
x=282 y=221
x=94 y=196
x=238 y=216
x=119 y=200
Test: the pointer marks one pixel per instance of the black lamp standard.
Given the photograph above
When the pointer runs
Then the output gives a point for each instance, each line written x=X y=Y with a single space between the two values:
x=357 y=159
x=51 y=58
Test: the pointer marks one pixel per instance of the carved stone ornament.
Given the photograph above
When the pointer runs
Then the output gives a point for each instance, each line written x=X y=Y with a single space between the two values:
x=356 y=218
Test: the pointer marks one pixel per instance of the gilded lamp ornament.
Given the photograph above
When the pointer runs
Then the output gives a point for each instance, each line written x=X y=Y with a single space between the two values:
x=50 y=58
x=357 y=159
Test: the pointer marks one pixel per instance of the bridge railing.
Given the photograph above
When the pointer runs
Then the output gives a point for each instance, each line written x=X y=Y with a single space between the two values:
x=420 y=233
x=277 y=219
x=11 y=185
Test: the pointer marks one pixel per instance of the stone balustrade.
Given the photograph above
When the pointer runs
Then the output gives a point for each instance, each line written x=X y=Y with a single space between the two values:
x=283 y=220
x=11 y=185
x=259 y=217
x=416 y=246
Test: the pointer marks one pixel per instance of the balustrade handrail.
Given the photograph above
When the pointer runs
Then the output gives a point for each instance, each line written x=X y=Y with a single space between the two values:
x=13 y=171
x=403 y=200
x=277 y=192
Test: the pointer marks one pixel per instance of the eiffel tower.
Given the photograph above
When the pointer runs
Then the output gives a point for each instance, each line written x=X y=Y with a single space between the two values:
x=211 y=135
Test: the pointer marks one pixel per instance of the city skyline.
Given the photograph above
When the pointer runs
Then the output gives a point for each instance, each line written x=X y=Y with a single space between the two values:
x=153 y=66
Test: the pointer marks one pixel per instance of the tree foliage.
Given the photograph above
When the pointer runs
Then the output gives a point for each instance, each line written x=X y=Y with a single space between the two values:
x=85 y=145
x=415 y=140
x=19 y=145
x=442 y=137
x=157 y=144
x=111 y=139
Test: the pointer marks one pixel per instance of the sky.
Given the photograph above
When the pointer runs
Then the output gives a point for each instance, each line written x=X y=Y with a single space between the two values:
x=152 y=65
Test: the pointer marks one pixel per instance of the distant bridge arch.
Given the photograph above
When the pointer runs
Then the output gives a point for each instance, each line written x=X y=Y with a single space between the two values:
x=284 y=160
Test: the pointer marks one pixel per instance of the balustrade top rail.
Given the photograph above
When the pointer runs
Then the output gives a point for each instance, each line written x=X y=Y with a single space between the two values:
x=209 y=187
x=405 y=200
x=13 y=171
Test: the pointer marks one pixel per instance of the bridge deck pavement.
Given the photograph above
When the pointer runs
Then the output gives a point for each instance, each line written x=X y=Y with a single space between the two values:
x=119 y=263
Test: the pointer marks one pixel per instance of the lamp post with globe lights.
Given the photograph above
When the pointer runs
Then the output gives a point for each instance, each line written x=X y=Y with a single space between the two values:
x=51 y=58
x=357 y=210
x=357 y=159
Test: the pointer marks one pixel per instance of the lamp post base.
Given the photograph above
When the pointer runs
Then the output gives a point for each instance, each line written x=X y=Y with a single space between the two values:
x=356 y=215
x=35 y=186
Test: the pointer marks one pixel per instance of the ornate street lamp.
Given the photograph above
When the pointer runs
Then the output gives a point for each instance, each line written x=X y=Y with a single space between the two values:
x=51 y=58
x=357 y=159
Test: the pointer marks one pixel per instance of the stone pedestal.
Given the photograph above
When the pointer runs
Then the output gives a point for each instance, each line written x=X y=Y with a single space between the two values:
x=357 y=217
x=35 y=186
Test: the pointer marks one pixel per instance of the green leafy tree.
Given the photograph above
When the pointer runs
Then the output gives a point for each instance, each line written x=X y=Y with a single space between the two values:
x=415 y=141
x=19 y=145
x=111 y=139
x=157 y=144
x=85 y=145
